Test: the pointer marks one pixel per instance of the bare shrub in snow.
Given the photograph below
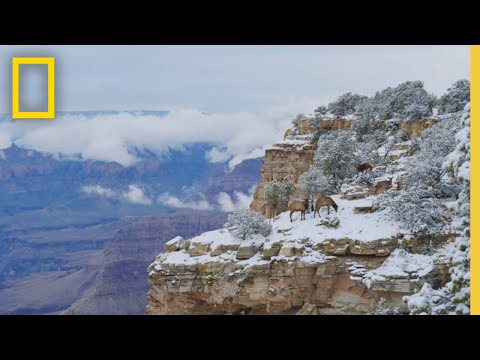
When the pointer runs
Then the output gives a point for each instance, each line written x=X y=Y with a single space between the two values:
x=383 y=309
x=330 y=222
x=246 y=223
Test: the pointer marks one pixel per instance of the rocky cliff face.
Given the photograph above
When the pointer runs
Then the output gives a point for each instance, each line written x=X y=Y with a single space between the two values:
x=121 y=282
x=282 y=286
x=282 y=161
x=305 y=267
x=300 y=266
x=415 y=127
x=291 y=157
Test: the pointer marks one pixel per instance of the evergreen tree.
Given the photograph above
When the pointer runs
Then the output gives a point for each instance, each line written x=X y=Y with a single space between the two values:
x=456 y=97
x=454 y=298
x=278 y=193
x=315 y=183
x=345 y=104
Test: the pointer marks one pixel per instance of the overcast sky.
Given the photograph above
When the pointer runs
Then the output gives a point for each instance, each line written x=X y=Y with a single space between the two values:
x=240 y=98
x=232 y=78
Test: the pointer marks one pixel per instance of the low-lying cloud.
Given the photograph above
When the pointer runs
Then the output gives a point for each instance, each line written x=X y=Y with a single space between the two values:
x=223 y=201
x=113 y=137
x=98 y=190
x=134 y=194
x=239 y=201
x=174 y=202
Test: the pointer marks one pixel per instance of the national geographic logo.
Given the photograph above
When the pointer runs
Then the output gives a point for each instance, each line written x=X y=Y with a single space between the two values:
x=28 y=61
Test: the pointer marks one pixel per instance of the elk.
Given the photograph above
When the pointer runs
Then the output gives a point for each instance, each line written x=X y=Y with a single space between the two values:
x=324 y=201
x=298 y=205
x=383 y=185
x=364 y=167
x=270 y=211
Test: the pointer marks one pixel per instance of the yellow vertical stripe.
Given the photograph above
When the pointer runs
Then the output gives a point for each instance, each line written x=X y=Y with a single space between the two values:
x=15 y=88
x=474 y=180
x=51 y=88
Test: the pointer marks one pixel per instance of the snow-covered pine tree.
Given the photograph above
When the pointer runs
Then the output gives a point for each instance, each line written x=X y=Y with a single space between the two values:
x=408 y=101
x=421 y=206
x=315 y=183
x=345 y=104
x=338 y=155
x=320 y=111
x=296 y=122
x=456 y=97
x=454 y=298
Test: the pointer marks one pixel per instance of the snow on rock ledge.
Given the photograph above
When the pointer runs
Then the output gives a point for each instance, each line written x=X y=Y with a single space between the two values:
x=298 y=263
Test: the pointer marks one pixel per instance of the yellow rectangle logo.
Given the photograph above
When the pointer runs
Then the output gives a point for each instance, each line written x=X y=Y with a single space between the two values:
x=16 y=113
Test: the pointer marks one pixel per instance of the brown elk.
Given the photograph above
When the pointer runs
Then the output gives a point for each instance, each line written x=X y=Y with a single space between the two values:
x=270 y=211
x=324 y=201
x=364 y=167
x=383 y=185
x=298 y=205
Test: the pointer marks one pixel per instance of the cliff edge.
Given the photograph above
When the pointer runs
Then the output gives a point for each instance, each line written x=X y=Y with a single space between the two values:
x=305 y=267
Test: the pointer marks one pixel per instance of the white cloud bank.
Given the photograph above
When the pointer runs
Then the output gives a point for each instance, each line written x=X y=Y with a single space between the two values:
x=227 y=203
x=224 y=201
x=134 y=194
x=238 y=136
x=174 y=202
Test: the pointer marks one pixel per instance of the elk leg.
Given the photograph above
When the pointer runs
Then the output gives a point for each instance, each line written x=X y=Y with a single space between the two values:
x=291 y=216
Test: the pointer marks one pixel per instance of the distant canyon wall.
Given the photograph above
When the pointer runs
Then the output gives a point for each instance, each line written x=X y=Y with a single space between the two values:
x=121 y=282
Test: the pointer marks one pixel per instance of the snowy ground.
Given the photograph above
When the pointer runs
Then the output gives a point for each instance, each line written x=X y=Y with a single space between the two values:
x=401 y=264
x=361 y=227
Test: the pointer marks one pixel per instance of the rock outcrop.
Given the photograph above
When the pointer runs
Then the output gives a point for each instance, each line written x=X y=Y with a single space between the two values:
x=302 y=266
x=293 y=278
x=342 y=263
x=291 y=157
x=282 y=161
x=415 y=127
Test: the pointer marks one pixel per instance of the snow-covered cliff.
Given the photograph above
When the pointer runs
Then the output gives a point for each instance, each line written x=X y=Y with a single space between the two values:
x=301 y=263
